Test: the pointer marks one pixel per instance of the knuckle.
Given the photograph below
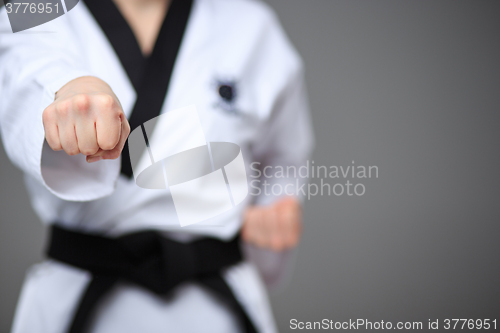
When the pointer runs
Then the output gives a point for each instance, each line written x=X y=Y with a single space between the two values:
x=105 y=101
x=82 y=102
x=62 y=108
x=48 y=114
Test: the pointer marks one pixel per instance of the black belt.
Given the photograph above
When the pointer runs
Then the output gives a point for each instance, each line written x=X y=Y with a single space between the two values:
x=147 y=259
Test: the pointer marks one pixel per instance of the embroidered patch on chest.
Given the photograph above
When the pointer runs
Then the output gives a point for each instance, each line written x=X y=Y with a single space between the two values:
x=227 y=96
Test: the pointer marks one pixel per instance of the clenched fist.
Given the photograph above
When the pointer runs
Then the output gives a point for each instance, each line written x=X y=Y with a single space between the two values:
x=86 y=118
x=276 y=227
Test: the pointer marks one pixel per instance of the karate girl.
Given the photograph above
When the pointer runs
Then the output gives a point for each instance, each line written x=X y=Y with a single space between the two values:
x=71 y=91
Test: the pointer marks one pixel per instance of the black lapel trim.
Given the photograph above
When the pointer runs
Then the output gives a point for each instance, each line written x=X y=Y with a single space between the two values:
x=121 y=37
x=152 y=80
x=160 y=64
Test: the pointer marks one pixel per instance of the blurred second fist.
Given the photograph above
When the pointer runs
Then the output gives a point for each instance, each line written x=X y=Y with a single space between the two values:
x=277 y=226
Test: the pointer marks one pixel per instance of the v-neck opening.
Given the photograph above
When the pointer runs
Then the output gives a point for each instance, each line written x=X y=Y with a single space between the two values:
x=121 y=37
x=131 y=30
x=120 y=33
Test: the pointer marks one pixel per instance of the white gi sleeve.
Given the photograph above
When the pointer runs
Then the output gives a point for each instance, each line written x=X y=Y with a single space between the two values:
x=34 y=64
x=285 y=144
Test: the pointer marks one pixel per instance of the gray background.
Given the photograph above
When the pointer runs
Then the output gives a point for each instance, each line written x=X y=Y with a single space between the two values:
x=412 y=87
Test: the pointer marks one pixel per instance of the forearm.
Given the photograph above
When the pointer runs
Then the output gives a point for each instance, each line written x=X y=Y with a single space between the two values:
x=33 y=67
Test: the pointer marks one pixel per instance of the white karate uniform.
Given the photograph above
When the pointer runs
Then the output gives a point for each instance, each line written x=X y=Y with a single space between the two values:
x=238 y=40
